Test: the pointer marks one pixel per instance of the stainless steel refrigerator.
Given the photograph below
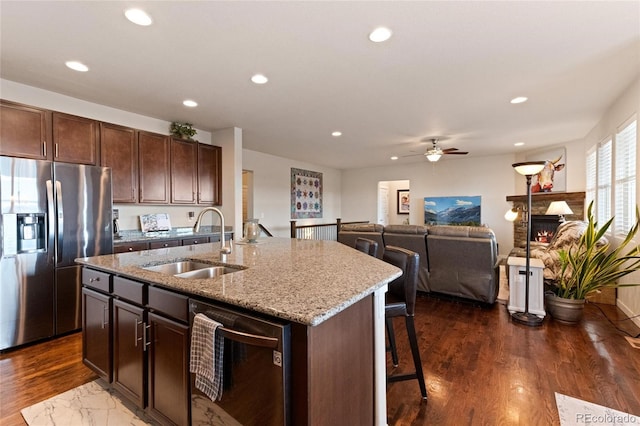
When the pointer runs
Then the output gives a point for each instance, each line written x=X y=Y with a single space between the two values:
x=51 y=213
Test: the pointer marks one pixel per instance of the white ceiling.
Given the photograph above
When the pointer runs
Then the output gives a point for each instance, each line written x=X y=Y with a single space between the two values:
x=449 y=69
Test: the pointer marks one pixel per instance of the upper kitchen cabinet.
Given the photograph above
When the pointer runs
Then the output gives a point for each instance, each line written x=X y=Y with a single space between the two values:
x=209 y=174
x=153 y=167
x=25 y=131
x=184 y=157
x=75 y=139
x=118 y=150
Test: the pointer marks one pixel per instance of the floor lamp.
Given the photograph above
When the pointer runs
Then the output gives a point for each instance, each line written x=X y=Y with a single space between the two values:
x=528 y=169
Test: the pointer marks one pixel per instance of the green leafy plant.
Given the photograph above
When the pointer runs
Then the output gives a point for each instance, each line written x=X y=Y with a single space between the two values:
x=182 y=130
x=592 y=266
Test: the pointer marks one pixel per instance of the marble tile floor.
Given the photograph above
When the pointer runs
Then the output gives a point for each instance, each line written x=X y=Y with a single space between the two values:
x=89 y=404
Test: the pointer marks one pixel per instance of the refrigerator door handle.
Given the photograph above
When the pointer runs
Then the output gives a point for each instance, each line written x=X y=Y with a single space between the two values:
x=60 y=220
x=51 y=214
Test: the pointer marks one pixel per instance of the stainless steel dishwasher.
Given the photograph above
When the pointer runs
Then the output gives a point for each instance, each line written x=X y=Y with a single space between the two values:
x=256 y=370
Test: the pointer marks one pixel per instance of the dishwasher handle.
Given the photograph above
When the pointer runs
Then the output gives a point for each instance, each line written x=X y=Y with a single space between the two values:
x=249 y=339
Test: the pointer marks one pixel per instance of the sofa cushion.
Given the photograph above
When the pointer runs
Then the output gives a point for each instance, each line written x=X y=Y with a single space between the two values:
x=405 y=229
x=362 y=227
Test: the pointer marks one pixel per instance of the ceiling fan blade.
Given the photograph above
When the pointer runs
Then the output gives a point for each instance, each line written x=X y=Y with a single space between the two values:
x=449 y=149
x=456 y=152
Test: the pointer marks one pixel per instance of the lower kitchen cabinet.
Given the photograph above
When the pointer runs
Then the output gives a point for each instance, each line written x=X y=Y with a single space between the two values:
x=129 y=351
x=168 y=373
x=136 y=337
x=96 y=332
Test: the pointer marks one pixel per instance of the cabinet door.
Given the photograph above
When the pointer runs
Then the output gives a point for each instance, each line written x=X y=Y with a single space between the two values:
x=168 y=370
x=96 y=332
x=183 y=171
x=25 y=131
x=153 y=165
x=75 y=139
x=118 y=150
x=209 y=174
x=129 y=351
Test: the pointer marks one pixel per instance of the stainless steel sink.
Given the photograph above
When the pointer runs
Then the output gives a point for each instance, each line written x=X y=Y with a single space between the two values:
x=210 y=272
x=192 y=269
x=178 y=267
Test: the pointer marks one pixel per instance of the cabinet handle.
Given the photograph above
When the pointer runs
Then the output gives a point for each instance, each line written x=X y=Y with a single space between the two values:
x=130 y=248
x=135 y=332
x=92 y=280
x=145 y=339
x=44 y=148
x=55 y=145
x=105 y=314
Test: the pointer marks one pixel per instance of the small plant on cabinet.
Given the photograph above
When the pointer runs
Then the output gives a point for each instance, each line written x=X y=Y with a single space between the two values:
x=182 y=130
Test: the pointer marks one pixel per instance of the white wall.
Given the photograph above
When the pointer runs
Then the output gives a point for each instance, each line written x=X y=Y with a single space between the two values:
x=394 y=186
x=623 y=108
x=490 y=177
x=272 y=191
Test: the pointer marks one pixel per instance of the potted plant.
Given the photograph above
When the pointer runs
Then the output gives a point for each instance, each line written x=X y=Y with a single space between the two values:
x=589 y=267
x=183 y=130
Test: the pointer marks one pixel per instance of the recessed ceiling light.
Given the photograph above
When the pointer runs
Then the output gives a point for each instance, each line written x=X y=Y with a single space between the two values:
x=259 y=79
x=380 y=34
x=518 y=144
x=394 y=158
x=190 y=103
x=336 y=134
x=138 y=16
x=519 y=100
x=77 y=66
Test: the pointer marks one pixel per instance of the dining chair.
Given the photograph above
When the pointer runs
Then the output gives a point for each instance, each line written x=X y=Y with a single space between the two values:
x=368 y=246
x=400 y=302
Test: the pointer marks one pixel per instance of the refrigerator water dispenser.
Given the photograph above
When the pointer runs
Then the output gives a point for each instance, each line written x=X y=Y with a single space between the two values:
x=32 y=233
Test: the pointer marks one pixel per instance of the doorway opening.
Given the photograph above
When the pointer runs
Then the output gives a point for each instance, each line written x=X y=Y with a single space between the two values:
x=394 y=202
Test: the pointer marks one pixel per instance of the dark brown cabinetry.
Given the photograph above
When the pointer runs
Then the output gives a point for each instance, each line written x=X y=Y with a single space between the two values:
x=118 y=150
x=75 y=139
x=96 y=332
x=164 y=244
x=153 y=168
x=129 y=351
x=184 y=155
x=209 y=174
x=25 y=131
x=124 y=248
x=147 y=344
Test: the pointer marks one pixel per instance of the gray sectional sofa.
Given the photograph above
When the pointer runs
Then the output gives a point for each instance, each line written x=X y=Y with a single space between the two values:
x=460 y=261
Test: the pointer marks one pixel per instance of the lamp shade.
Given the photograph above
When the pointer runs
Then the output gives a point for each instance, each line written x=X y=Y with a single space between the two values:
x=559 y=208
x=529 y=168
x=511 y=215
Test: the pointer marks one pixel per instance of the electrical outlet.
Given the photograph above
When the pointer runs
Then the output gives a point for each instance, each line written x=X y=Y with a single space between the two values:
x=191 y=216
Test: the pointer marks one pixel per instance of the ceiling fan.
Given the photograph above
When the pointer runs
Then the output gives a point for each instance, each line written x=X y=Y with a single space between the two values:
x=433 y=154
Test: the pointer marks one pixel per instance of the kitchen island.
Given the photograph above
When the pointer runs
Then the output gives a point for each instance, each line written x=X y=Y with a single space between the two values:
x=332 y=294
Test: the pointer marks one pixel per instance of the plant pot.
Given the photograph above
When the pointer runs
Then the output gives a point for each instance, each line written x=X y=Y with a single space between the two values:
x=565 y=311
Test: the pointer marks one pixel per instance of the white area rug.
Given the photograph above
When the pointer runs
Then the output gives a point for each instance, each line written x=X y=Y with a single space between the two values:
x=89 y=404
x=576 y=412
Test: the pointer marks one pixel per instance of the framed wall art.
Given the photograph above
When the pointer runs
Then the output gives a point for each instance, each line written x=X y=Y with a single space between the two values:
x=306 y=194
x=553 y=178
x=403 y=201
x=460 y=211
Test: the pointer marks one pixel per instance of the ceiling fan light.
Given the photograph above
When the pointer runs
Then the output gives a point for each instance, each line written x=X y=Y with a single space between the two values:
x=433 y=156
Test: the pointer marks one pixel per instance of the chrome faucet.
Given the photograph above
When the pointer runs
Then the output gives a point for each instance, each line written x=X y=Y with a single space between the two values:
x=224 y=250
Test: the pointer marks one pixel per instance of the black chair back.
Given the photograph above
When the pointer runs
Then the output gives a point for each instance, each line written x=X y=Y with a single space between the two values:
x=404 y=287
x=368 y=246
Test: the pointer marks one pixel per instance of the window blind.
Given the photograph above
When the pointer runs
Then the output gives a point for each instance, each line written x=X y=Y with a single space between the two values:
x=625 y=178
x=603 y=192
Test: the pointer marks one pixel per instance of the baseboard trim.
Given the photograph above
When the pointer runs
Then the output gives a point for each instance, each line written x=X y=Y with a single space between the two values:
x=624 y=308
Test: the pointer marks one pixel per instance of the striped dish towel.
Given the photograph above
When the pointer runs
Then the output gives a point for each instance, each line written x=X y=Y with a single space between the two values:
x=206 y=356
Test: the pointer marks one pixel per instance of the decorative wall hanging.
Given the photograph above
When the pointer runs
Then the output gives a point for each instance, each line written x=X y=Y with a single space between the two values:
x=452 y=211
x=553 y=177
x=403 y=201
x=306 y=194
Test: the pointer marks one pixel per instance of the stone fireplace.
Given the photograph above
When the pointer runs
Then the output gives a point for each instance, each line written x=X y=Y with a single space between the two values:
x=539 y=205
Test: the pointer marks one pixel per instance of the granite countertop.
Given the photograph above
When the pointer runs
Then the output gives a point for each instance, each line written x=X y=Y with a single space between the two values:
x=305 y=281
x=132 y=236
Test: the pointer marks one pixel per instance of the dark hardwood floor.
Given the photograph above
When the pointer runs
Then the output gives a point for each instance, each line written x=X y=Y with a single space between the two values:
x=480 y=368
